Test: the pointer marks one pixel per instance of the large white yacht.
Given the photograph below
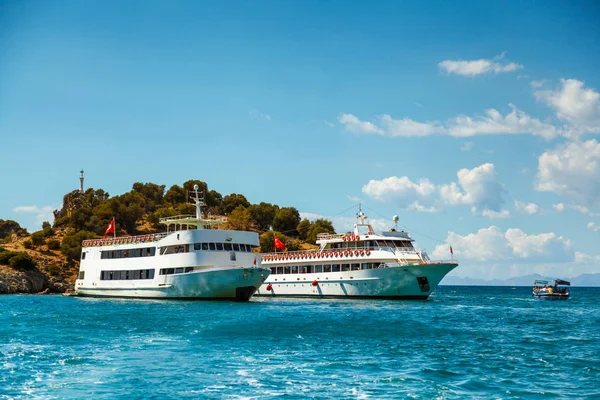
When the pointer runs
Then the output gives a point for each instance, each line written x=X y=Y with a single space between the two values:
x=191 y=260
x=357 y=264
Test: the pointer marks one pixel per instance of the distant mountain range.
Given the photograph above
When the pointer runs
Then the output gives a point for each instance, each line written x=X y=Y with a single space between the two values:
x=589 y=280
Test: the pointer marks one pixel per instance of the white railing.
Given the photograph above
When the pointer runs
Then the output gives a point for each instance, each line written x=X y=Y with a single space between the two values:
x=328 y=236
x=152 y=237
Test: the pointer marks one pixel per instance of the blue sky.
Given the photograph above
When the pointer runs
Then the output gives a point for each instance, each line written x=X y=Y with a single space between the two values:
x=476 y=122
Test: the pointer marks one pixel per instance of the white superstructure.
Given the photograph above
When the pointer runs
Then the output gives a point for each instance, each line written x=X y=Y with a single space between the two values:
x=357 y=264
x=190 y=260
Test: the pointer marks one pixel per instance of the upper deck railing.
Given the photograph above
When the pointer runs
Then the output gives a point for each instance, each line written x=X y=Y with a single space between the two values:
x=153 y=237
x=209 y=220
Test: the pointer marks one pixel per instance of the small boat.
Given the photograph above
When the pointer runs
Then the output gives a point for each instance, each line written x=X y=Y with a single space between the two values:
x=551 y=290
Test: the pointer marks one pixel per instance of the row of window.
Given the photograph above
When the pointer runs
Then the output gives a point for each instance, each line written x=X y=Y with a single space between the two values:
x=127 y=275
x=307 y=269
x=127 y=253
x=373 y=244
x=224 y=247
x=171 y=271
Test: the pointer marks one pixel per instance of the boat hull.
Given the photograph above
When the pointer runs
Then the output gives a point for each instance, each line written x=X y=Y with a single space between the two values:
x=403 y=282
x=237 y=284
x=551 y=296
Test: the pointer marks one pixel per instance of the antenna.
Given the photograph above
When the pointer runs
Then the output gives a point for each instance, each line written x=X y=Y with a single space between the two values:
x=198 y=202
x=360 y=215
x=395 y=219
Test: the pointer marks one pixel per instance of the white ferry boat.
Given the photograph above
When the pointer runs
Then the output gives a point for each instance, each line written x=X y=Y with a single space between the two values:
x=360 y=264
x=191 y=260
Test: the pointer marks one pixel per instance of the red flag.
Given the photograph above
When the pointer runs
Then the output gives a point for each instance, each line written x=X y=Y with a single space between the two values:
x=111 y=228
x=451 y=252
x=278 y=243
x=255 y=261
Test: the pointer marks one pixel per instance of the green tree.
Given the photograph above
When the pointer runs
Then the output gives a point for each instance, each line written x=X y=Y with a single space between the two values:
x=233 y=201
x=240 y=220
x=302 y=228
x=152 y=193
x=175 y=195
x=46 y=225
x=71 y=244
x=267 y=243
x=318 y=226
x=286 y=220
x=28 y=244
x=263 y=215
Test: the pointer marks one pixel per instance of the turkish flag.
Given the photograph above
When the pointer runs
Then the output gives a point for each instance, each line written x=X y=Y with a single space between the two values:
x=111 y=228
x=451 y=252
x=278 y=243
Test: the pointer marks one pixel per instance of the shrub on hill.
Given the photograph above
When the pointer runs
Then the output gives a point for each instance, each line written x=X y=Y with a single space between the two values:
x=28 y=244
x=8 y=227
x=38 y=238
x=21 y=261
x=53 y=244
x=267 y=243
x=16 y=259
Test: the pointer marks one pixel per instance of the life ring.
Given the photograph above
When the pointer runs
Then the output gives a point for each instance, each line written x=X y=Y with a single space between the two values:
x=356 y=253
x=362 y=253
x=344 y=238
x=368 y=252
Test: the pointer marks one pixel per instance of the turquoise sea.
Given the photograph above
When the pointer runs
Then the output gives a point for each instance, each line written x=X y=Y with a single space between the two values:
x=464 y=342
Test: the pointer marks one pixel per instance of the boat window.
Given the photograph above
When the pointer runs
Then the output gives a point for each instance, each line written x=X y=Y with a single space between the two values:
x=279 y=270
x=355 y=267
x=286 y=269
x=232 y=255
x=126 y=275
x=212 y=246
x=142 y=252
x=345 y=267
x=81 y=275
x=236 y=247
x=273 y=270
x=83 y=255
x=294 y=269
x=318 y=268
x=227 y=246
x=188 y=269
x=220 y=246
x=204 y=246
x=179 y=270
x=335 y=267
x=197 y=246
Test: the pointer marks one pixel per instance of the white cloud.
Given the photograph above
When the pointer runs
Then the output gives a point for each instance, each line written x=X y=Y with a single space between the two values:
x=258 y=115
x=513 y=245
x=593 y=226
x=492 y=123
x=527 y=208
x=400 y=191
x=41 y=214
x=571 y=170
x=467 y=146
x=503 y=214
x=408 y=127
x=574 y=104
x=560 y=207
x=353 y=124
x=478 y=187
x=537 y=84
x=478 y=67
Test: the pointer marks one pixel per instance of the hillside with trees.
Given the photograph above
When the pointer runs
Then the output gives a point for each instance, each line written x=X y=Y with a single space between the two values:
x=48 y=260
